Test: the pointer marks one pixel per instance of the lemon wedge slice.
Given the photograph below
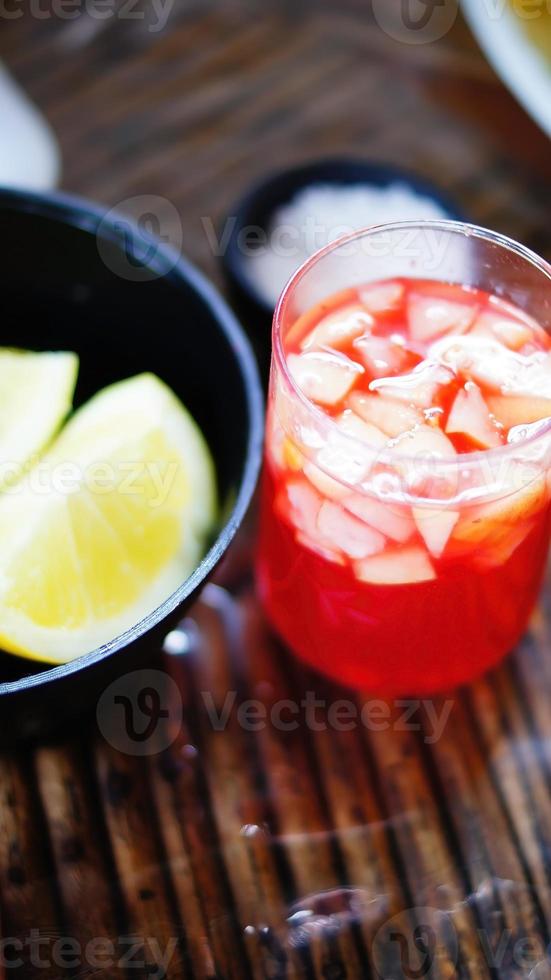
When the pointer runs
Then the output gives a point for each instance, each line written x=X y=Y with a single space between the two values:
x=36 y=394
x=107 y=525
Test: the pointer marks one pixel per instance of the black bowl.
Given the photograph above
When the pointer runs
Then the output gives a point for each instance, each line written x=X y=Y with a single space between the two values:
x=256 y=208
x=76 y=278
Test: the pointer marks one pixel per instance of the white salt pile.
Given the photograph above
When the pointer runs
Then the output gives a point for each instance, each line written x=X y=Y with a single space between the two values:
x=321 y=213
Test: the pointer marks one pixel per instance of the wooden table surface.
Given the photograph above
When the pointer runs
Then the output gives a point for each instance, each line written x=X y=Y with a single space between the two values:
x=410 y=846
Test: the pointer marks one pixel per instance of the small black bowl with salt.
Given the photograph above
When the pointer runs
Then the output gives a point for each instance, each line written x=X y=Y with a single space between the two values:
x=289 y=215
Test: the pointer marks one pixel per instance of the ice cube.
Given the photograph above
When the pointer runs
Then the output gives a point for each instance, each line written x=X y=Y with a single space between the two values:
x=435 y=526
x=519 y=433
x=403 y=566
x=418 y=387
x=491 y=364
x=338 y=329
x=323 y=376
x=388 y=414
x=347 y=533
x=382 y=297
x=431 y=316
x=470 y=416
x=391 y=519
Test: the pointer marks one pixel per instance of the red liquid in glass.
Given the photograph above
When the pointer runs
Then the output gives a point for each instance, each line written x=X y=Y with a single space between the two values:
x=390 y=600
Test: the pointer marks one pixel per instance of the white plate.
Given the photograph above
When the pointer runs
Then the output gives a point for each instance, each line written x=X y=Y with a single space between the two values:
x=519 y=62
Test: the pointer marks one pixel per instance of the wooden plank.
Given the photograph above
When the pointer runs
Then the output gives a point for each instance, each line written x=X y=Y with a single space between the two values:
x=139 y=863
x=83 y=872
x=28 y=899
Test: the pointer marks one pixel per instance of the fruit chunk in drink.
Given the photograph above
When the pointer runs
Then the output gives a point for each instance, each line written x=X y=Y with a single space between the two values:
x=405 y=510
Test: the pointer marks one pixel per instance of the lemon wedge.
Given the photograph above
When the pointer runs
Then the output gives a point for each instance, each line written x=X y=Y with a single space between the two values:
x=36 y=394
x=107 y=525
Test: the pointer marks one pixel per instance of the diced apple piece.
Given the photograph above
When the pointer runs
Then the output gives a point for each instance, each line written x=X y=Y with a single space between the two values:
x=423 y=450
x=514 y=410
x=352 y=425
x=339 y=329
x=430 y=317
x=281 y=449
x=419 y=387
x=498 y=552
x=470 y=416
x=397 y=567
x=326 y=485
x=507 y=310
x=494 y=521
x=435 y=526
x=305 y=322
x=392 y=520
x=437 y=289
x=382 y=297
x=299 y=503
x=347 y=533
x=380 y=355
x=346 y=461
x=510 y=332
x=323 y=376
x=320 y=549
x=292 y=457
x=275 y=448
x=424 y=440
x=388 y=414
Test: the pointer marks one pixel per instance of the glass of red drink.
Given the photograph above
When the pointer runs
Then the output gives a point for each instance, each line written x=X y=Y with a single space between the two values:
x=406 y=492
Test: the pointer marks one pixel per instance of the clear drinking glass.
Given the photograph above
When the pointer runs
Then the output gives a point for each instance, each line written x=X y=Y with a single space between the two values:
x=425 y=624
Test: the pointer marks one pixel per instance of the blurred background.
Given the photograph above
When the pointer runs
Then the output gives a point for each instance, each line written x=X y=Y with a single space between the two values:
x=193 y=100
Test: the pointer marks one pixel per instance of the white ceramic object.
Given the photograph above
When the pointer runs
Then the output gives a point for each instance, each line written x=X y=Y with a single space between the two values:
x=29 y=155
x=521 y=65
